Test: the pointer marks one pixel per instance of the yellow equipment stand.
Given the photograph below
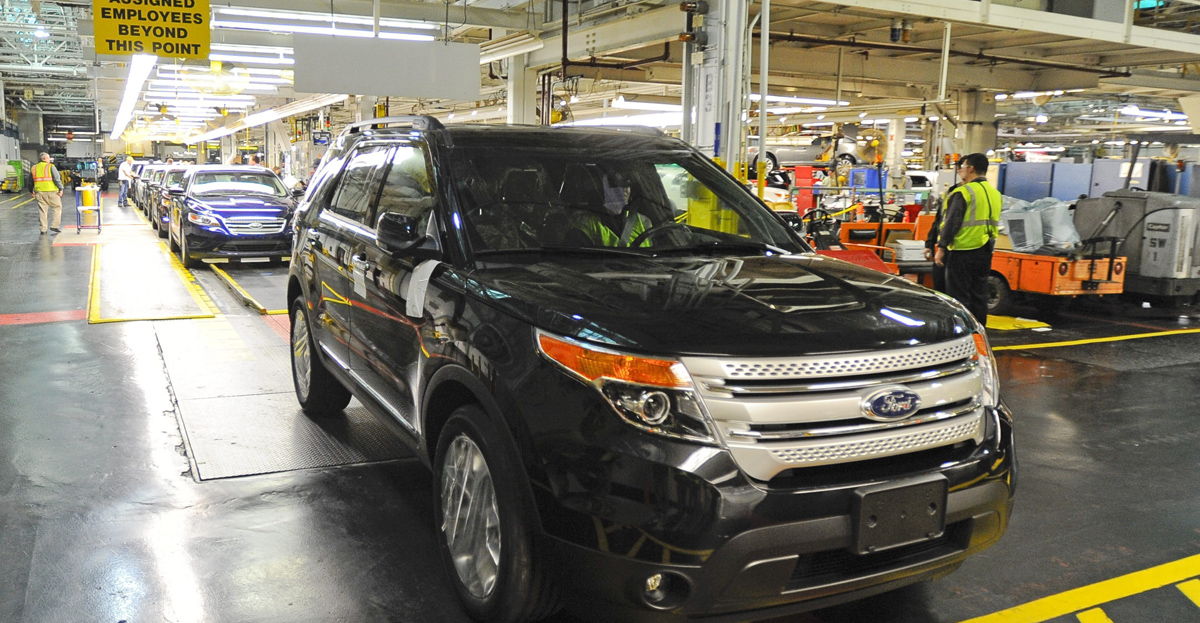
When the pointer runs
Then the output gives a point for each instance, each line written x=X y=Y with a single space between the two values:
x=87 y=206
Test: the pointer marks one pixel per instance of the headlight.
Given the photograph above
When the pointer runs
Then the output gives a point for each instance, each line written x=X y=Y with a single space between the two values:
x=203 y=219
x=655 y=395
x=987 y=367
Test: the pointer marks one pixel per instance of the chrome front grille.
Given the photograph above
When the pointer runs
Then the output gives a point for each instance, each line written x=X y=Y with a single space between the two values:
x=248 y=225
x=848 y=365
x=783 y=414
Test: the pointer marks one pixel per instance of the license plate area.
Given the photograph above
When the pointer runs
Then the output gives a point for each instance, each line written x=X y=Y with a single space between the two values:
x=897 y=514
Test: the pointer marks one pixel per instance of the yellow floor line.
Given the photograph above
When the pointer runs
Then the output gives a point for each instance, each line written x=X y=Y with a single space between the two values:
x=1097 y=340
x=1191 y=590
x=1095 y=615
x=1088 y=597
x=189 y=281
x=93 y=305
x=239 y=290
x=23 y=203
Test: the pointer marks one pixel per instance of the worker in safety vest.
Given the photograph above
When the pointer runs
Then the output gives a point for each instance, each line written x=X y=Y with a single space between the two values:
x=939 y=272
x=48 y=188
x=968 y=236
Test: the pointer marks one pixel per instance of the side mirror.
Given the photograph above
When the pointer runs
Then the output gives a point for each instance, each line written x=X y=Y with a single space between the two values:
x=397 y=234
x=297 y=192
x=176 y=190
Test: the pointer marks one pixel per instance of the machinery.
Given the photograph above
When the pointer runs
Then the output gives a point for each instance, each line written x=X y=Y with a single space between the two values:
x=1159 y=232
x=1156 y=231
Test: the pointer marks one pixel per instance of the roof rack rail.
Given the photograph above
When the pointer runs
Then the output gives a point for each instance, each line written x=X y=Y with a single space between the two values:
x=420 y=122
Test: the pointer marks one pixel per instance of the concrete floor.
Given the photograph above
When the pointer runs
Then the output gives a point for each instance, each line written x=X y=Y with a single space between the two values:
x=106 y=515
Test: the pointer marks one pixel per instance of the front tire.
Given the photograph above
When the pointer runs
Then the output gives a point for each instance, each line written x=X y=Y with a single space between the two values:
x=184 y=258
x=481 y=510
x=317 y=391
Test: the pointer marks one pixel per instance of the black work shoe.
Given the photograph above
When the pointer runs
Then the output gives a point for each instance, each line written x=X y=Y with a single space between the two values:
x=55 y=230
x=43 y=233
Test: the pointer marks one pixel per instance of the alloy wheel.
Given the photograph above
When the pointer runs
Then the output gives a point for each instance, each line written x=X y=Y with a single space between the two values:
x=470 y=516
x=301 y=354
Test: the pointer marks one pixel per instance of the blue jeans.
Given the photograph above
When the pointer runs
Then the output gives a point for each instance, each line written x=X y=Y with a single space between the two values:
x=123 y=193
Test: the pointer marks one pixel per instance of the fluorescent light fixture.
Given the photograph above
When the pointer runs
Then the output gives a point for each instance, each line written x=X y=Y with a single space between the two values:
x=313 y=30
x=307 y=16
x=507 y=47
x=754 y=97
x=56 y=139
x=1041 y=119
x=911 y=119
x=265 y=60
x=1000 y=97
x=623 y=103
x=139 y=69
x=41 y=33
x=273 y=114
x=1134 y=111
x=253 y=49
x=656 y=120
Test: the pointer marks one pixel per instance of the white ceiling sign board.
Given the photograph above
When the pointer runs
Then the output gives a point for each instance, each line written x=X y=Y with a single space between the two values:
x=384 y=67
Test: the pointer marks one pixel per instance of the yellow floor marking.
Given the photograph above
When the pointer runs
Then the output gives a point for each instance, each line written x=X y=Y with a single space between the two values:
x=1191 y=590
x=1098 y=340
x=93 y=305
x=237 y=288
x=189 y=281
x=23 y=203
x=1099 y=593
x=1094 y=615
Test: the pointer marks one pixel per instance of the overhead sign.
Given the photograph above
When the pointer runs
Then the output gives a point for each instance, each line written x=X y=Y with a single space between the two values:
x=170 y=28
x=431 y=69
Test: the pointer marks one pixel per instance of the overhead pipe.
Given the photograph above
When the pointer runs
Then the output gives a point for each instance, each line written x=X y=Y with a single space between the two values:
x=900 y=47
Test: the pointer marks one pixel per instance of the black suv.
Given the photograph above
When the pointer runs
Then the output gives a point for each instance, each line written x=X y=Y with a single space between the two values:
x=638 y=390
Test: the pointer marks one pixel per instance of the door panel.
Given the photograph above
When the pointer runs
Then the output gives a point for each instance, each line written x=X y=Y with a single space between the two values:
x=388 y=318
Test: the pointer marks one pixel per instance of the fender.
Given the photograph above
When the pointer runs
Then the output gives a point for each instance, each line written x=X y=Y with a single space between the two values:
x=483 y=397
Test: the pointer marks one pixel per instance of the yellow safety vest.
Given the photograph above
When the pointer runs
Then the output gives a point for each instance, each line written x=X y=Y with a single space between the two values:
x=43 y=178
x=981 y=220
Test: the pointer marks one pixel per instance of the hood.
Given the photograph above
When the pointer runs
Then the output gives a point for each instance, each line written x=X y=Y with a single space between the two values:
x=244 y=205
x=762 y=306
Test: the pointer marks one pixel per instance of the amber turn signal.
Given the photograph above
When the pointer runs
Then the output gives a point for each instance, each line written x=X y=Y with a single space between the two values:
x=596 y=364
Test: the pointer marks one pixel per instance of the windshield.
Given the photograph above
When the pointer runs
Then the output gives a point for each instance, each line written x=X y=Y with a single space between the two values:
x=237 y=183
x=646 y=202
x=174 y=177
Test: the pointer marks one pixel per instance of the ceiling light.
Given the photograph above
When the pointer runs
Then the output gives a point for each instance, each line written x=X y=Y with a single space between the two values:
x=861 y=115
x=820 y=117
x=621 y=102
x=307 y=16
x=265 y=60
x=316 y=30
x=139 y=69
x=933 y=118
x=451 y=116
x=911 y=119
x=1000 y=97
x=1041 y=119
x=279 y=112
x=783 y=120
x=754 y=97
x=656 y=120
x=41 y=33
x=474 y=113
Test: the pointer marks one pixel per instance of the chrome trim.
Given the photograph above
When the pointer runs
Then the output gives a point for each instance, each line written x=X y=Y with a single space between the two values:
x=858 y=428
x=827 y=367
x=370 y=390
x=966 y=365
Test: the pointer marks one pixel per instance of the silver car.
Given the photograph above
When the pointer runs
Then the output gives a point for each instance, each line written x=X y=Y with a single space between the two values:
x=784 y=155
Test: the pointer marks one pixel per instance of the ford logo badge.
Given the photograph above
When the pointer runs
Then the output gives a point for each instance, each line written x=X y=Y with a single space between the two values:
x=890 y=405
x=256 y=225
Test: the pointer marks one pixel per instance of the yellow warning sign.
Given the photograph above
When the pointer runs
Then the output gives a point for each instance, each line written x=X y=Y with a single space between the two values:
x=170 y=28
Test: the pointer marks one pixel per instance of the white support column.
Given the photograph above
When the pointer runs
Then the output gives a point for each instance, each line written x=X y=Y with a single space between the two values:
x=764 y=64
x=522 y=92
x=719 y=101
x=895 y=158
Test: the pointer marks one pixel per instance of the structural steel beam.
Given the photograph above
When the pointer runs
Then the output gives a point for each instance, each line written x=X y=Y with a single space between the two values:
x=434 y=12
x=628 y=33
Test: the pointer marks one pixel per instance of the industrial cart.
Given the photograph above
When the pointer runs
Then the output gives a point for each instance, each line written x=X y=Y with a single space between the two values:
x=87 y=199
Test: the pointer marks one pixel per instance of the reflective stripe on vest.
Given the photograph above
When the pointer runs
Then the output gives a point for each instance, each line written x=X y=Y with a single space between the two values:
x=43 y=179
x=981 y=219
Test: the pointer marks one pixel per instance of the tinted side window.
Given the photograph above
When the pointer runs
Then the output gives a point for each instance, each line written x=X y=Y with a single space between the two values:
x=408 y=188
x=358 y=184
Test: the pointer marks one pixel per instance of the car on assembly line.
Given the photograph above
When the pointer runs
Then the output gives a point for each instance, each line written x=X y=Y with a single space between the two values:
x=640 y=393
x=159 y=206
x=222 y=213
x=142 y=191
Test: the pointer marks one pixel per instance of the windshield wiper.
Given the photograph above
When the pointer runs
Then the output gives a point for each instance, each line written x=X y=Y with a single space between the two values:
x=718 y=246
x=563 y=250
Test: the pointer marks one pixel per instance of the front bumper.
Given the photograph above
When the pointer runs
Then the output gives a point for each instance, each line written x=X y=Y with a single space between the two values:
x=204 y=243
x=735 y=549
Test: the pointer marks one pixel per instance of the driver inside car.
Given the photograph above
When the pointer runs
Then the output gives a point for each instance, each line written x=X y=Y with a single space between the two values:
x=608 y=218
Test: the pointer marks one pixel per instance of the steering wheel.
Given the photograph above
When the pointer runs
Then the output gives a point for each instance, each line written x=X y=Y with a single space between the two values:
x=654 y=231
x=818 y=219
